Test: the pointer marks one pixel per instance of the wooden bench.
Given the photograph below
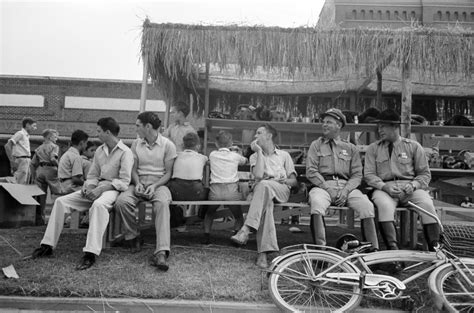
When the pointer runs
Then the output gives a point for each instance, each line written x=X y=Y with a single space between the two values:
x=408 y=218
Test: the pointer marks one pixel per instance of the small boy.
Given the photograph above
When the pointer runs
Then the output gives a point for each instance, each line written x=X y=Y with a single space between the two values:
x=45 y=161
x=88 y=156
x=180 y=127
x=224 y=181
x=186 y=183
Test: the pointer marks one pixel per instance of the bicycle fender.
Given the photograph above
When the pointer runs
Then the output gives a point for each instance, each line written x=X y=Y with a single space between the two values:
x=371 y=280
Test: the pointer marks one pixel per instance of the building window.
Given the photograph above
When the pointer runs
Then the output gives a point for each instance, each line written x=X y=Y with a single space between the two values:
x=388 y=15
x=362 y=13
x=379 y=15
x=456 y=16
x=371 y=15
x=354 y=14
x=464 y=16
x=413 y=15
x=404 y=15
x=439 y=16
x=396 y=16
x=448 y=16
x=472 y=16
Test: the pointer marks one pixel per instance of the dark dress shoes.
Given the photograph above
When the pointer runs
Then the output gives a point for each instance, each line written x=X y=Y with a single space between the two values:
x=87 y=260
x=42 y=251
x=159 y=261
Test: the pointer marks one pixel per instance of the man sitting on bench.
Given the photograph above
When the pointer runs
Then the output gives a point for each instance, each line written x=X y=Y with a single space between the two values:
x=274 y=174
x=154 y=156
x=334 y=167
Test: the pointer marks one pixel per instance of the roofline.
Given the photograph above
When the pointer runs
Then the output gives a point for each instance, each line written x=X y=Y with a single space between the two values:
x=80 y=79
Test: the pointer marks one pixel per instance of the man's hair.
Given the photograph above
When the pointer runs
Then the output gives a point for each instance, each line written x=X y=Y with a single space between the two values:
x=224 y=139
x=77 y=136
x=26 y=121
x=149 y=118
x=48 y=132
x=190 y=141
x=181 y=106
x=92 y=143
x=270 y=129
x=109 y=124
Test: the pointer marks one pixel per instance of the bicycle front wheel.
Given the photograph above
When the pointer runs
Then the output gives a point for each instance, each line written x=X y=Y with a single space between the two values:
x=456 y=293
x=293 y=289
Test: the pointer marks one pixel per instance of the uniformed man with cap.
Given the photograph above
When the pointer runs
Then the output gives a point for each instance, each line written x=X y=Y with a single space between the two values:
x=334 y=166
x=398 y=170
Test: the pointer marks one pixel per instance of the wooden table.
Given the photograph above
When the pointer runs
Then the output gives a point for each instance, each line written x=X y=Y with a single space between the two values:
x=459 y=186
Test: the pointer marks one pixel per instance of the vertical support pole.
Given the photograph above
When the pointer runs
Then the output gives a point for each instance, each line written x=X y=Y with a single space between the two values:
x=144 y=83
x=206 y=108
x=379 y=89
x=406 y=100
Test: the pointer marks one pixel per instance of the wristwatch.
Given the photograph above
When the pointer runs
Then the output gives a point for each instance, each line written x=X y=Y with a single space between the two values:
x=413 y=186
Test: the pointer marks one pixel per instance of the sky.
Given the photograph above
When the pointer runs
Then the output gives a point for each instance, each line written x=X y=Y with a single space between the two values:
x=101 y=38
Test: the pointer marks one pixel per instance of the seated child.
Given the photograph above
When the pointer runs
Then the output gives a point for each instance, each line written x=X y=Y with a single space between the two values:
x=224 y=183
x=186 y=182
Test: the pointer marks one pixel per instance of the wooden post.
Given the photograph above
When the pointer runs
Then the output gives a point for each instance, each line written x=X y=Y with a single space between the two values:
x=406 y=100
x=144 y=83
x=379 y=89
x=206 y=108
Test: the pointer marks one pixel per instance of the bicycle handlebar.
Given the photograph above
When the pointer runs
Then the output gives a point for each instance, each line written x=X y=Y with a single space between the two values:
x=434 y=216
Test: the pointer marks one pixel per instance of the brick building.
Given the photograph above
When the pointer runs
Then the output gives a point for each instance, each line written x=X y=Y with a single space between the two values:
x=399 y=13
x=67 y=104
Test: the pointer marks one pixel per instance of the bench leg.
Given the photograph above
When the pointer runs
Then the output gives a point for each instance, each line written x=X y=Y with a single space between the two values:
x=75 y=219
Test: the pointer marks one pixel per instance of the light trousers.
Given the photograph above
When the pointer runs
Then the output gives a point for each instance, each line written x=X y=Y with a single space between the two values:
x=260 y=214
x=386 y=205
x=22 y=170
x=125 y=207
x=98 y=212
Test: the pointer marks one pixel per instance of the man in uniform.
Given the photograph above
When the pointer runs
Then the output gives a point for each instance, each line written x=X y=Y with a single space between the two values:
x=397 y=168
x=334 y=167
x=274 y=174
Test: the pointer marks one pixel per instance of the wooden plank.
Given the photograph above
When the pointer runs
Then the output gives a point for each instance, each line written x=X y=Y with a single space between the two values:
x=405 y=128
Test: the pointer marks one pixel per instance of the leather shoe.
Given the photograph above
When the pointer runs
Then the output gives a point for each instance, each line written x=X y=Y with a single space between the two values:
x=42 y=251
x=262 y=261
x=159 y=260
x=241 y=237
x=87 y=260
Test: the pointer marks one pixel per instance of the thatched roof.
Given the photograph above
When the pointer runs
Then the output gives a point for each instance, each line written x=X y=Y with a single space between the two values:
x=179 y=51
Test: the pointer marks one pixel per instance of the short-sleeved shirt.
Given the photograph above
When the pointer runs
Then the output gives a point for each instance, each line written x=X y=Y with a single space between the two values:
x=224 y=165
x=407 y=162
x=151 y=159
x=277 y=165
x=47 y=152
x=70 y=164
x=113 y=167
x=189 y=165
x=86 y=165
x=21 y=143
x=342 y=160
x=176 y=133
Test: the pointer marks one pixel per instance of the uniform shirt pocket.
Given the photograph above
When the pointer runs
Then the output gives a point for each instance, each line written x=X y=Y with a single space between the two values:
x=344 y=163
x=405 y=165
x=325 y=162
x=382 y=166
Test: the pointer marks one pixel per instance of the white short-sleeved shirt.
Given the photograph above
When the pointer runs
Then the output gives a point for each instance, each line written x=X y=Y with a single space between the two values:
x=21 y=143
x=189 y=165
x=224 y=166
x=278 y=164
x=70 y=164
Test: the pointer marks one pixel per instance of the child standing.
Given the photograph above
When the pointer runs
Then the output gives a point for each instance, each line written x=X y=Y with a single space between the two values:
x=45 y=161
x=224 y=181
x=180 y=126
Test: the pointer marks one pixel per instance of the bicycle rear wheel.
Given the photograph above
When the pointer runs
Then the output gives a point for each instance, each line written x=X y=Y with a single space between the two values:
x=456 y=294
x=293 y=290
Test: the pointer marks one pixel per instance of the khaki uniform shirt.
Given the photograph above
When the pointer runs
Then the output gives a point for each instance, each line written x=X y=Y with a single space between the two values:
x=342 y=160
x=47 y=153
x=408 y=162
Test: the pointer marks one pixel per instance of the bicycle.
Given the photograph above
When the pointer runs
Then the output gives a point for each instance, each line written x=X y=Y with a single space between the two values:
x=312 y=278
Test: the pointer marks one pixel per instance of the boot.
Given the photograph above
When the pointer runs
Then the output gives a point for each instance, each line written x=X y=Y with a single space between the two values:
x=432 y=233
x=369 y=233
x=318 y=229
x=389 y=235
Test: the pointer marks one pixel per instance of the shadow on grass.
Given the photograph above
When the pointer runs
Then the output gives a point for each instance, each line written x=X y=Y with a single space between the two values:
x=218 y=272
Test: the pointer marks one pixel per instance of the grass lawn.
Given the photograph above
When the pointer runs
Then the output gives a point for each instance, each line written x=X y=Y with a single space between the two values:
x=217 y=272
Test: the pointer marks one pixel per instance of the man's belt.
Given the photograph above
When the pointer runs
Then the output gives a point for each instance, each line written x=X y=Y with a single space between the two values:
x=333 y=177
x=64 y=179
x=22 y=157
x=47 y=164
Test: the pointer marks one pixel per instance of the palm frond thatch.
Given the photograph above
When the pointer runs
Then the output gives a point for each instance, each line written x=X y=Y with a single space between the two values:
x=177 y=50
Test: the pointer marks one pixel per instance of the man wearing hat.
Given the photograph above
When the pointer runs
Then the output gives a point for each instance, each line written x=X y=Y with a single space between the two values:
x=334 y=166
x=398 y=170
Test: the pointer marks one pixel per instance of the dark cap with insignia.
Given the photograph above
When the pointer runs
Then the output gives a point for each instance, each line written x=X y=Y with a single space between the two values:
x=337 y=114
